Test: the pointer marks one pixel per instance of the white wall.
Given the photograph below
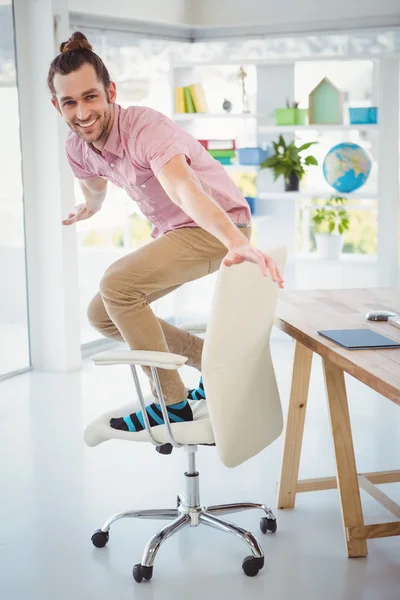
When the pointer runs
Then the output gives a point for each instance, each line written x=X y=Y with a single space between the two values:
x=173 y=12
x=291 y=13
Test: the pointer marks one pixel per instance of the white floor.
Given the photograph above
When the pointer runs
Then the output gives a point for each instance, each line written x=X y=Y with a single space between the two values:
x=56 y=492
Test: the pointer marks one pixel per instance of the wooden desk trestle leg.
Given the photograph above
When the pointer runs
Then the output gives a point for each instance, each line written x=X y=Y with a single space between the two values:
x=347 y=478
x=295 y=426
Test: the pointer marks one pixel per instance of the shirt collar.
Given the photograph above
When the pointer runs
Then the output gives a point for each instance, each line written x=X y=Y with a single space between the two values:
x=113 y=143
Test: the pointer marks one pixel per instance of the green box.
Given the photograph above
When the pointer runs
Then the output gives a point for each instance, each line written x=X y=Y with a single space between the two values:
x=291 y=116
x=301 y=116
x=285 y=116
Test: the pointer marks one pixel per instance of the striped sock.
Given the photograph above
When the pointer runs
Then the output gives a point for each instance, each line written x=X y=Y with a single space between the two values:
x=177 y=413
x=198 y=393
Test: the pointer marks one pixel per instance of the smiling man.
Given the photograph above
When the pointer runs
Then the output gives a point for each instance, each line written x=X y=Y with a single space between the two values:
x=200 y=218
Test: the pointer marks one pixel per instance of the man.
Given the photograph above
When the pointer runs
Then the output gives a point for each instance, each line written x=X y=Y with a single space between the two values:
x=200 y=217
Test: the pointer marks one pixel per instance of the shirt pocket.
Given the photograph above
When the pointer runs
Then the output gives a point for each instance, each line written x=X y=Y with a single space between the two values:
x=147 y=186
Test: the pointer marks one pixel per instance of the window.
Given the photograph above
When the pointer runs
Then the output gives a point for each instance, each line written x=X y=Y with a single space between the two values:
x=140 y=69
x=14 y=346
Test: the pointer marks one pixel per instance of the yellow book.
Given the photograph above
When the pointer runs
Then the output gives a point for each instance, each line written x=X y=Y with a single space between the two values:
x=179 y=100
x=199 y=99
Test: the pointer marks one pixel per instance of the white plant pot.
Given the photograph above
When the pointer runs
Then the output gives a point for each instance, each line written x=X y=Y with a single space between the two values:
x=329 y=245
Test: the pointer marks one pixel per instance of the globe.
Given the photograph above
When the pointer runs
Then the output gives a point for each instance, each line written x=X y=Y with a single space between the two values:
x=346 y=167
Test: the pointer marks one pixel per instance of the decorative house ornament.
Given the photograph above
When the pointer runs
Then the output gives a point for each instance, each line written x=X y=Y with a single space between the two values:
x=325 y=104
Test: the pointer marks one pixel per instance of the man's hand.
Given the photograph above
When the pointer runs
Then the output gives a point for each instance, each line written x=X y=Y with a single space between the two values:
x=247 y=252
x=94 y=191
x=79 y=213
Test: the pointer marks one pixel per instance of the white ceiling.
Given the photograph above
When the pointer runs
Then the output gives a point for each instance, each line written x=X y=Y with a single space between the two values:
x=288 y=12
x=172 y=12
x=269 y=16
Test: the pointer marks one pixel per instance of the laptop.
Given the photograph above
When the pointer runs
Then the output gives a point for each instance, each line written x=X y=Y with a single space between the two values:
x=359 y=339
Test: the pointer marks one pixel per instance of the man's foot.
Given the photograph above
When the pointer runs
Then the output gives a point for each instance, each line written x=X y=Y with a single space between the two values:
x=198 y=393
x=177 y=413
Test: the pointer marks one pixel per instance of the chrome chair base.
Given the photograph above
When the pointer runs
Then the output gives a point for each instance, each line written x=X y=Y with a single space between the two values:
x=190 y=512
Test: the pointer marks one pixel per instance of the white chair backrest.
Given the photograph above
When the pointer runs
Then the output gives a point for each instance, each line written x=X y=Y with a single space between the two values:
x=238 y=373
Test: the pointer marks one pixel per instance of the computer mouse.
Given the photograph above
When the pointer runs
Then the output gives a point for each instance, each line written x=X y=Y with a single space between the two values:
x=379 y=315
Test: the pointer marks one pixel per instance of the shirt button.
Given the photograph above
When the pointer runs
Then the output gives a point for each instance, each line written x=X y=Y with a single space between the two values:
x=143 y=185
x=112 y=165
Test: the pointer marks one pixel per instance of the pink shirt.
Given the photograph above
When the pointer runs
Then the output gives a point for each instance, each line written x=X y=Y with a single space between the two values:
x=140 y=143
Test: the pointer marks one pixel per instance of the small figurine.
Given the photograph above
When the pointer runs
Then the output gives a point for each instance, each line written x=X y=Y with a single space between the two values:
x=245 y=100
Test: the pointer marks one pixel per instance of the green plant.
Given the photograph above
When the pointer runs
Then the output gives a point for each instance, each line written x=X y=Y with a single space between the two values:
x=287 y=161
x=332 y=215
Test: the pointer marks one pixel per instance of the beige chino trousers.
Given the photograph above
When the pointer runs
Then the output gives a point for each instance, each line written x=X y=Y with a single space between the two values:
x=121 y=309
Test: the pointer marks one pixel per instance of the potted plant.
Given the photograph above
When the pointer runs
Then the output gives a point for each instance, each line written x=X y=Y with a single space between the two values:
x=330 y=221
x=287 y=161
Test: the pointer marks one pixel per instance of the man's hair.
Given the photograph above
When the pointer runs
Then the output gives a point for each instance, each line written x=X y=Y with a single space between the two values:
x=74 y=53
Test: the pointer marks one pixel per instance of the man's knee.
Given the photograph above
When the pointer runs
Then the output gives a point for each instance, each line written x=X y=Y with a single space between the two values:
x=117 y=285
x=112 y=281
x=96 y=312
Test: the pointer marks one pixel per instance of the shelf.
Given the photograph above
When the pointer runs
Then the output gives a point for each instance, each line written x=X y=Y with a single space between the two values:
x=345 y=258
x=321 y=128
x=241 y=168
x=190 y=116
x=315 y=194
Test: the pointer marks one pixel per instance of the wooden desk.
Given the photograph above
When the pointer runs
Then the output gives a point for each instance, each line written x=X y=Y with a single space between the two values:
x=301 y=314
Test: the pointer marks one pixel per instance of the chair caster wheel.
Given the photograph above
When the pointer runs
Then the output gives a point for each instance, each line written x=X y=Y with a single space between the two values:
x=252 y=565
x=267 y=524
x=164 y=449
x=100 y=538
x=140 y=572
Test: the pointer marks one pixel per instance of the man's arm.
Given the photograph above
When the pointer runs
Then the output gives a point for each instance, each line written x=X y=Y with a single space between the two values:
x=94 y=192
x=185 y=190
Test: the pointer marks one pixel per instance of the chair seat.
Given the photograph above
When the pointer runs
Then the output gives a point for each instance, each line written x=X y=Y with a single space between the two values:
x=198 y=431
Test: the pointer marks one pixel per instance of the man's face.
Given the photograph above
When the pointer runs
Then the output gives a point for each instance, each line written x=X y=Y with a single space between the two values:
x=84 y=103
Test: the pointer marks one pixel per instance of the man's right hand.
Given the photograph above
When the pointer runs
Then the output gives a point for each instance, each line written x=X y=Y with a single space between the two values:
x=94 y=191
x=79 y=213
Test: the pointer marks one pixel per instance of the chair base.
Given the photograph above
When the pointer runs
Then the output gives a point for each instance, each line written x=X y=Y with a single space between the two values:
x=190 y=512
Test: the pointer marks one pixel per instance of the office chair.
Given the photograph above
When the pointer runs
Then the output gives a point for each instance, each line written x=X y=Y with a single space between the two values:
x=241 y=416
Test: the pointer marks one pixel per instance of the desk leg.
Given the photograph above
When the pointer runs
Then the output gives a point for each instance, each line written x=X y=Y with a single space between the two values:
x=295 y=426
x=347 y=477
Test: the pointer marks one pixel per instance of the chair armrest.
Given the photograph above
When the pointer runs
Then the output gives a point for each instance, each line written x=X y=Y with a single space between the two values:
x=161 y=360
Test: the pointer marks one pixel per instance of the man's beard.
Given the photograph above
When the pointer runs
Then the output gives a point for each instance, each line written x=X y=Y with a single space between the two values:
x=99 y=128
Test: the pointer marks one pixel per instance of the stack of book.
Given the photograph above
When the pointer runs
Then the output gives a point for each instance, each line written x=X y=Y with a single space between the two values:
x=222 y=150
x=190 y=99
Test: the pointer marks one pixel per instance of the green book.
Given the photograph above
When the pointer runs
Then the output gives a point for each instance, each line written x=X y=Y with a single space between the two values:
x=222 y=153
x=189 y=104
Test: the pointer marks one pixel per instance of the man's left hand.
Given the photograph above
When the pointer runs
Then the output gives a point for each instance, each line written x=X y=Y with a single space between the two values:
x=247 y=252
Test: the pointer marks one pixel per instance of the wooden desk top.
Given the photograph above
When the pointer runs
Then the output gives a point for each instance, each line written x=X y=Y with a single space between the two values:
x=301 y=314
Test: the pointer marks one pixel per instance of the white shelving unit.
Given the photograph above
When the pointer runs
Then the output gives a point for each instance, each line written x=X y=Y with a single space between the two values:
x=318 y=128
x=275 y=83
x=191 y=116
x=242 y=168
x=323 y=195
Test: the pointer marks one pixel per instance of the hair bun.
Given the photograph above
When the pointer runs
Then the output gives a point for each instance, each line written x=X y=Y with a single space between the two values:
x=77 y=41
